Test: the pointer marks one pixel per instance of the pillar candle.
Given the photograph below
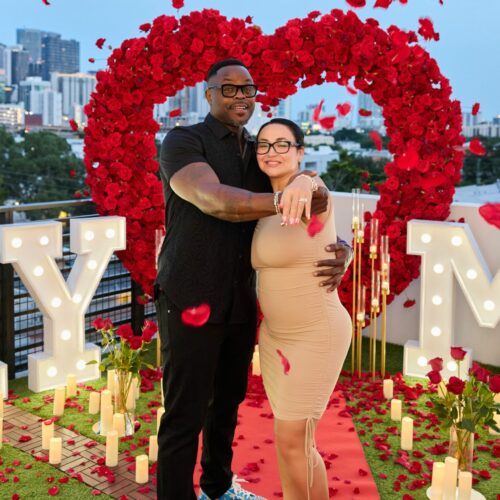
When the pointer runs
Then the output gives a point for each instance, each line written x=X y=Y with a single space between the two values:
x=256 y=362
x=112 y=449
x=464 y=485
x=94 y=402
x=1 y=432
x=492 y=431
x=106 y=399
x=47 y=433
x=388 y=388
x=136 y=383
x=55 y=451
x=153 y=448
x=450 y=478
x=71 y=386
x=159 y=414
x=106 y=420
x=59 y=398
x=1 y=404
x=407 y=433
x=110 y=386
x=141 y=469
x=437 y=480
x=396 y=409
x=130 y=403
x=119 y=424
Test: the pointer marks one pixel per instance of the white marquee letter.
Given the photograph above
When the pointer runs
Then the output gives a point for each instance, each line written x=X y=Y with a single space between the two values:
x=32 y=249
x=447 y=249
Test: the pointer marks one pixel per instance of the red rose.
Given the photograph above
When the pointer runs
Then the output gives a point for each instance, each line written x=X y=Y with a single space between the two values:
x=134 y=342
x=177 y=4
x=495 y=383
x=480 y=373
x=434 y=376
x=125 y=332
x=436 y=364
x=149 y=330
x=457 y=353
x=102 y=324
x=455 y=385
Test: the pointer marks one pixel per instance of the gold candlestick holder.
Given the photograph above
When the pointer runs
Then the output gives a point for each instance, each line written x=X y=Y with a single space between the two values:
x=385 y=289
x=360 y=323
x=355 y=226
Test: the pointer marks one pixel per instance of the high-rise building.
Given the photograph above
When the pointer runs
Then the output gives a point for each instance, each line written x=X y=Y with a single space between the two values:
x=2 y=56
x=375 y=120
x=58 y=55
x=11 y=115
x=39 y=99
x=283 y=109
x=16 y=64
x=30 y=85
x=75 y=89
x=470 y=120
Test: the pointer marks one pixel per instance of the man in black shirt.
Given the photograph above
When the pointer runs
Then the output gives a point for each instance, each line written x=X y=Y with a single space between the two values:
x=214 y=194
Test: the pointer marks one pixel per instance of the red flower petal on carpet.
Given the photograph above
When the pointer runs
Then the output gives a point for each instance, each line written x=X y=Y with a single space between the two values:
x=100 y=42
x=24 y=438
x=143 y=489
x=485 y=474
x=317 y=111
x=175 y=112
x=327 y=122
x=377 y=140
x=54 y=491
x=344 y=109
x=196 y=316
x=475 y=108
x=490 y=212
x=284 y=362
x=315 y=226
x=476 y=147
x=364 y=112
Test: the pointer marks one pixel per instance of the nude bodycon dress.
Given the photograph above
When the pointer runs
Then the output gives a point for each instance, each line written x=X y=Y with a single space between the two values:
x=309 y=326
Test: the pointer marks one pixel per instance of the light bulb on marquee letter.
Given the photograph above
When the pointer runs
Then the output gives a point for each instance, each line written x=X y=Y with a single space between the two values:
x=448 y=249
x=32 y=249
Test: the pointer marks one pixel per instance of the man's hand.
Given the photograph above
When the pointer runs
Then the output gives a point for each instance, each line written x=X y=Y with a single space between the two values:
x=335 y=268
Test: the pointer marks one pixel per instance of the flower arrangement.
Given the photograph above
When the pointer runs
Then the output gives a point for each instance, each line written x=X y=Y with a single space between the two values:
x=464 y=405
x=125 y=354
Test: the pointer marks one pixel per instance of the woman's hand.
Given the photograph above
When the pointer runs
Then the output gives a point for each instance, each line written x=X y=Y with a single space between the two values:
x=296 y=200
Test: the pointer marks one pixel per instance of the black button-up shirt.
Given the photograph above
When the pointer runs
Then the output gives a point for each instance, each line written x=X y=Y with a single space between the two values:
x=204 y=259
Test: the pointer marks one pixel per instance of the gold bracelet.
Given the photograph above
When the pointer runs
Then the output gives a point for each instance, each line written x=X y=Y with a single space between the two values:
x=276 y=202
x=314 y=184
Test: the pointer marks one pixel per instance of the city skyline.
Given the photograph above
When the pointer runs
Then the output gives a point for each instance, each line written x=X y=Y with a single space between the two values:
x=462 y=59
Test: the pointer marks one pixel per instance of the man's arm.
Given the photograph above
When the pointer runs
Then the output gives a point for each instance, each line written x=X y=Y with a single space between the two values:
x=335 y=268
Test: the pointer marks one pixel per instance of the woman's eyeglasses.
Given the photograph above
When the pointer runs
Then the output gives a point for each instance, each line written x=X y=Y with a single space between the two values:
x=281 y=147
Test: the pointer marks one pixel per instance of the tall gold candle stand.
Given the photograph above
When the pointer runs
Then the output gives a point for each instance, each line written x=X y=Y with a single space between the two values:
x=373 y=257
x=355 y=228
x=385 y=259
x=360 y=322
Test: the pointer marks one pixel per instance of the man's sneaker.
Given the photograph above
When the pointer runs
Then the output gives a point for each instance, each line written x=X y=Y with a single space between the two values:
x=236 y=492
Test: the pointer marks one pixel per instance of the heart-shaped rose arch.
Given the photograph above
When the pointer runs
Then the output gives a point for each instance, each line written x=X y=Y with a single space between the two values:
x=422 y=122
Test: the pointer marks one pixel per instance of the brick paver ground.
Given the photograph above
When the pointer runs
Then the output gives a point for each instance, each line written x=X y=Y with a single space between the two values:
x=77 y=458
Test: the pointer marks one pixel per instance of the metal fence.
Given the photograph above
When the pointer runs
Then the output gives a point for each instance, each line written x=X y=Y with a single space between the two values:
x=21 y=323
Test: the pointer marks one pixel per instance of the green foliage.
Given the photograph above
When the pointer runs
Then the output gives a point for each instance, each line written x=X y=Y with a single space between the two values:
x=482 y=169
x=38 y=168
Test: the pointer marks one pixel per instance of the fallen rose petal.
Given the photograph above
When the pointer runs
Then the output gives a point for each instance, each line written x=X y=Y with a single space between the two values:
x=54 y=491
x=344 y=109
x=284 y=362
x=73 y=125
x=196 y=316
x=490 y=212
x=175 y=112
x=315 y=226
x=377 y=140
x=100 y=42
x=476 y=147
x=475 y=109
x=327 y=122
x=317 y=111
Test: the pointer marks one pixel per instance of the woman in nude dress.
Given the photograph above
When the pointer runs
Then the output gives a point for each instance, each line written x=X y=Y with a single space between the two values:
x=306 y=332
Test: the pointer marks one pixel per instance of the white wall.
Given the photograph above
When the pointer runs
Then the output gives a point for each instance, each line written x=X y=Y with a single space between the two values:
x=403 y=324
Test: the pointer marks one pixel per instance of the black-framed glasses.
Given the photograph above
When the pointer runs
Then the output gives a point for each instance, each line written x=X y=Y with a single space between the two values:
x=281 y=147
x=230 y=90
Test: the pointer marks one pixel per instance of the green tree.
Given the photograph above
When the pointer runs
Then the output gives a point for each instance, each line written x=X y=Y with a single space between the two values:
x=42 y=171
x=9 y=150
x=482 y=169
x=351 y=172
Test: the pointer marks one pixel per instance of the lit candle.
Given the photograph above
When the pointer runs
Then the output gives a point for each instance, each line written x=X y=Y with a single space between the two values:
x=256 y=362
x=94 y=402
x=437 y=480
x=153 y=448
x=159 y=414
x=355 y=207
x=47 y=433
x=106 y=420
x=373 y=235
x=141 y=469
x=130 y=403
x=59 y=398
x=450 y=477
x=71 y=386
x=1 y=404
x=464 y=485
x=110 y=386
x=395 y=409
x=119 y=424
x=106 y=398
x=407 y=433
x=112 y=449
x=388 y=388
x=361 y=303
x=137 y=387
x=496 y=416
x=55 y=451
x=384 y=246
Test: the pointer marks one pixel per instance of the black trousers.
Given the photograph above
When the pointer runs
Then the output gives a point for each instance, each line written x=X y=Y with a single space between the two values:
x=204 y=381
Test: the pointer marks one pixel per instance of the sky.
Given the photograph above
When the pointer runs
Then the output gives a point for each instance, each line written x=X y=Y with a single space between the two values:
x=467 y=53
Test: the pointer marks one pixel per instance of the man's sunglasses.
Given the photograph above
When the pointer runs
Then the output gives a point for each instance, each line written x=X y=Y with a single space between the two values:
x=230 y=90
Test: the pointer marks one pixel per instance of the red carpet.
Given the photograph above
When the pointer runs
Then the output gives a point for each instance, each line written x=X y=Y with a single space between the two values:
x=254 y=453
